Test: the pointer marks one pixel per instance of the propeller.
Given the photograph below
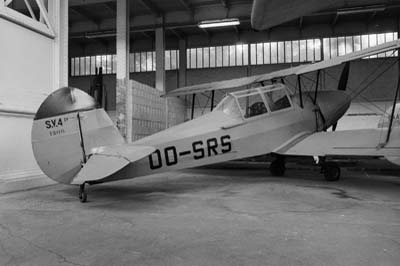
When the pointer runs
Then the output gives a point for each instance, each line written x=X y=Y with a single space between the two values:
x=344 y=78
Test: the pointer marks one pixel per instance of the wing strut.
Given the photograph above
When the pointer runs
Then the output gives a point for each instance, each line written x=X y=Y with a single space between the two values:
x=316 y=87
x=212 y=99
x=394 y=104
x=300 y=92
x=193 y=99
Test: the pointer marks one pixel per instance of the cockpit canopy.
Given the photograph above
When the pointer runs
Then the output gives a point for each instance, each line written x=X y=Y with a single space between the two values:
x=256 y=101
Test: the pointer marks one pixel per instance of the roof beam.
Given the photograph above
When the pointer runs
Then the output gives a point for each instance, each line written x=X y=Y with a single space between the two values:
x=177 y=33
x=224 y=3
x=335 y=19
x=85 y=14
x=151 y=6
x=111 y=6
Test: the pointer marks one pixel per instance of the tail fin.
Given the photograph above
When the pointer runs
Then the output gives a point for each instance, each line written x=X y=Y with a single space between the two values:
x=66 y=128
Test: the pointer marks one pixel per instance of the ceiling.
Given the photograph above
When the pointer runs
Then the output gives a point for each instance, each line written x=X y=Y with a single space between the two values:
x=180 y=17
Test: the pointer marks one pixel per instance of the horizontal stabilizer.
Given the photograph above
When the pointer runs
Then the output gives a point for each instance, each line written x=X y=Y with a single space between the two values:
x=104 y=161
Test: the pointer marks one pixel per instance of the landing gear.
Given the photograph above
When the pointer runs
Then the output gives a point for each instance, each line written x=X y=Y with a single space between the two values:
x=331 y=171
x=82 y=193
x=277 y=167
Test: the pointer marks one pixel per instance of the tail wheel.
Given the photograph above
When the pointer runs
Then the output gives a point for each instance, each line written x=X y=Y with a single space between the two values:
x=277 y=167
x=331 y=171
x=82 y=193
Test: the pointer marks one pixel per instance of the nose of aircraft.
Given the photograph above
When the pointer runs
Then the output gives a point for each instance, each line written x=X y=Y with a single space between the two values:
x=333 y=105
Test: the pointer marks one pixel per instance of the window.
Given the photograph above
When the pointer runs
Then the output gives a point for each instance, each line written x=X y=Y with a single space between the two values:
x=337 y=46
x=229 y=106
x=252 y=105
x=277 y=100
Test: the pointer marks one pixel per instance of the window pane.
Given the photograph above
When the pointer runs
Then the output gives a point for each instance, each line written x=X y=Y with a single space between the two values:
x=193 y=61
x=310 y=50
x=188 y=58
x=98 y=62
x=149 y=61
x=132 y=62
x=81 y=66
x=173 y=59
x=177 y=59
x=381 y=40
x=334 y=47
x=277 y=100
x=87 y=65
x=76 y=66
x=104 y=63
x=219 y=56
x=296 y=55
x=372 y=42
x=114 y=64
x=281 y=52
x=232 y=55
x=72 y=67
x=245 y=54
x=212 y=56
x=326 y=47
x=206 y=57
x=341 y=46
x=253 y=54
x=267 y=53
x=154 y=60
x=252 y=105
x=137 y=62
x=364 y=41
x=167 y=58
x=259 y=51
x=303 y=51
x=225 y=55
x=274 y=52
x=317 y=50
x=199 y=52
x=239 y=55
x=389 y=38
x=143 y=62
x=349 y=44
x=357 y=43
x=288 y=52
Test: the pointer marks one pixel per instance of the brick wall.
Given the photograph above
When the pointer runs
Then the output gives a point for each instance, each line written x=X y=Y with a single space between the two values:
x=149 y=111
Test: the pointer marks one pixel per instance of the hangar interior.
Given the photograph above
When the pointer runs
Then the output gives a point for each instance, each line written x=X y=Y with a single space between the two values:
x=128 y=54
x=155 y=46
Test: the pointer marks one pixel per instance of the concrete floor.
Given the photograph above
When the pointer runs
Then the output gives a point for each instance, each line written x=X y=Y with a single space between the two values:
x=207 y=217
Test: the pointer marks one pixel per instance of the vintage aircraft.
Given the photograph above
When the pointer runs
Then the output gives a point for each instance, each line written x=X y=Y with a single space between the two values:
x=76 y=143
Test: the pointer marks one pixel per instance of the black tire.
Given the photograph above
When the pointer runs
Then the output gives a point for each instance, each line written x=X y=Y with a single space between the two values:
x=277 y=167
x=331 y=171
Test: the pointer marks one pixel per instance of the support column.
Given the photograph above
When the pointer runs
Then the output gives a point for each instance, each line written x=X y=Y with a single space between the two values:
x=58 y=15
x=124 y=91
x=160 y=59
x=182 y=63
x=160 y=66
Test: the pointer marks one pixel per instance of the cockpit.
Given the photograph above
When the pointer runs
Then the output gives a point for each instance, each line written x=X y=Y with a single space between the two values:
x=256 y=101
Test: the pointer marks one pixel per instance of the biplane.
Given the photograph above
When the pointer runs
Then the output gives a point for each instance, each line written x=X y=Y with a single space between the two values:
x=75 y=142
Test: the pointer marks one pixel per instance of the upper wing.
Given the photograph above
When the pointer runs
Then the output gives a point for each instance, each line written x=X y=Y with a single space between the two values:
x=107 y=160
x=302 y=69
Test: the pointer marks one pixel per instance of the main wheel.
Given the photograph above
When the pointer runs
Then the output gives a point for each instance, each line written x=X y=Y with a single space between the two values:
x=277 y=167
x=331 y=171
x=82 y=193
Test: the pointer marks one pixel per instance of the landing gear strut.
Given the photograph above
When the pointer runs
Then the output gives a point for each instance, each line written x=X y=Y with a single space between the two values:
x=277 y=167
x=331 y=171
x=82 y=193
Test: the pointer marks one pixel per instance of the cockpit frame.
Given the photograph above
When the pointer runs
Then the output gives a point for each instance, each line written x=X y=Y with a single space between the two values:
x=232 y=101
